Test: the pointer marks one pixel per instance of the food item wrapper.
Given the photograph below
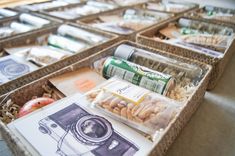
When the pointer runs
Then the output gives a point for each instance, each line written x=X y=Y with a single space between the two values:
x=131 y=20
x=137 y=107
x=211 y=12
x=6 y=31
x=113 y=27
x=169 y=6
x=207 y=40
x=46 y=55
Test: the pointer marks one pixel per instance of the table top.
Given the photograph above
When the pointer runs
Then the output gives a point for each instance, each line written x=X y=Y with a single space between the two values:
x=211 y=130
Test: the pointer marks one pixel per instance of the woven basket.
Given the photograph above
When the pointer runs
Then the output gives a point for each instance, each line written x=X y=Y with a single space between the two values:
x=193 y=8
x=27 y=39
x=160 y=147
x=30 y=10
x=63 y=7
x=46 y=12
x=8 y=20
x=131 y=36
x=195 y=14
x=218 y=64
x=5 y=19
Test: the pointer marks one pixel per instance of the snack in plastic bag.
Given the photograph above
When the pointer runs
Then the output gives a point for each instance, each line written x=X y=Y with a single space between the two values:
x=131 y=20
x=46 y=55
x=135 y=106
x=193 y=32
x=207 y=40
x=211 y=12
x=134 y=24
x=6 y=31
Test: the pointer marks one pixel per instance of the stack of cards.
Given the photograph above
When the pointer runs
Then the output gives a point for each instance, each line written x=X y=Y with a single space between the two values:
x=12 y=67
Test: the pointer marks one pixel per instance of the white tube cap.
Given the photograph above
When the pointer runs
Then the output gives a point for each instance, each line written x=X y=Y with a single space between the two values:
x=124 y=51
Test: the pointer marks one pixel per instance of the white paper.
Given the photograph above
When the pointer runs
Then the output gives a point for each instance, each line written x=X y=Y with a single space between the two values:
x=47 y=144
x=12 y=67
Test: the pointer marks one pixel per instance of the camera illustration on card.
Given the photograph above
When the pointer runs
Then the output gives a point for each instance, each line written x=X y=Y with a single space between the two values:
x=79 y=133
x=11 y=69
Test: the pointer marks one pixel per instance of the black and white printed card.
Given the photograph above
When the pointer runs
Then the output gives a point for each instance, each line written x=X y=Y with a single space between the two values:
x=12 y=67
x=70 y=127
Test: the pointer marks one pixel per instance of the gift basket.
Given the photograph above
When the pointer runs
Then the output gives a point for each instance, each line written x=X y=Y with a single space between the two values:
x=204 y=41
x=48 y=50
x=126 y=22
x=126 y=96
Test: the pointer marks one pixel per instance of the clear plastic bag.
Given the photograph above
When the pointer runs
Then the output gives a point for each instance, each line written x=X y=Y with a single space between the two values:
x=207 y=40
x=6 y=31
x=204 y=27
x=135 y=106
x=131 y=20
x=224 y=14
x=46 y=55
x=113 y=27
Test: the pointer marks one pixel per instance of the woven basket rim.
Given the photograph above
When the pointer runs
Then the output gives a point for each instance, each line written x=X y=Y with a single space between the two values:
x=111 y=37
x=87 y=20
x=142 y=35
x=16 y=17
x=105 y=50
x=194 y=6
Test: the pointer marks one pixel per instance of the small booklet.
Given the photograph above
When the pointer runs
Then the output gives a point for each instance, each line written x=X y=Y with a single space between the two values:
x=12 y=67
x=70 y=127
